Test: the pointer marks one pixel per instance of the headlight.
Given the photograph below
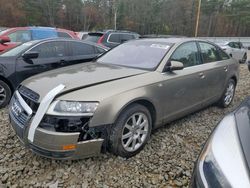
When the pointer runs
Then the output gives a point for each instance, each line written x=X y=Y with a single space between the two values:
x=222 y=163
x=72 y=108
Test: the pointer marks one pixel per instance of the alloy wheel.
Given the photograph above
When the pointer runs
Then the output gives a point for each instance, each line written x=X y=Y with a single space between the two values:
x=135 y=132
x=2 y=94
x=229 y=93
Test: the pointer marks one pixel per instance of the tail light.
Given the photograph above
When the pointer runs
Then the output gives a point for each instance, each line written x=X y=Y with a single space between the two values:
x=100 y=40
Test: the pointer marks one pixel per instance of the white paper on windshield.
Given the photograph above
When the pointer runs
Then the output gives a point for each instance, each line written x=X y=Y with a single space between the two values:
x=27 y=44
x=161 y=46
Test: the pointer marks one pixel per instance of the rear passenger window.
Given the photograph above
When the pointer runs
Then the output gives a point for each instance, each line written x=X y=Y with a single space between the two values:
x=82 y=49
x=51 y=49
x=115 y=38
x=209 y=52
x=63 y=35
x=187 y=54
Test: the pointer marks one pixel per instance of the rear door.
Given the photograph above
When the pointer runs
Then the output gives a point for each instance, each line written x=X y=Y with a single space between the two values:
x=52 y=55
x=81 y=52
x=215 y=68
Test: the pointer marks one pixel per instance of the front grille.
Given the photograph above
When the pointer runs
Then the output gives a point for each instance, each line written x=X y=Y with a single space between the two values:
x=18 y=112
x=28 y=93
x=30 y=97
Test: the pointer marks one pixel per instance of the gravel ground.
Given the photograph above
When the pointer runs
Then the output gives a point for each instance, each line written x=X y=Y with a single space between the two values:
x=167 y=160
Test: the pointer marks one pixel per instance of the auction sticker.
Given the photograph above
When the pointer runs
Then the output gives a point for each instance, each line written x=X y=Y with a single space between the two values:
x=161 y=46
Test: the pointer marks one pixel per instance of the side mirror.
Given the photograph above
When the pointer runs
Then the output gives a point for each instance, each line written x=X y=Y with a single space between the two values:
x=30 y=55
x=173 y=65
x=4 y=39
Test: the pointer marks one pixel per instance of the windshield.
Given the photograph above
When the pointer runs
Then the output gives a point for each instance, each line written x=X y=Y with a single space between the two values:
x=17 y=50
x=137 y=54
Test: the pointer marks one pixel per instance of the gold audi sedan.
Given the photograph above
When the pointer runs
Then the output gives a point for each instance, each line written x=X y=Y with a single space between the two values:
x=113 y=104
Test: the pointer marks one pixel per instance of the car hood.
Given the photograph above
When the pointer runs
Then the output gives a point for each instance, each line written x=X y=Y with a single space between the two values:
x=242 y=117
x=4 y=60
x=78 y=77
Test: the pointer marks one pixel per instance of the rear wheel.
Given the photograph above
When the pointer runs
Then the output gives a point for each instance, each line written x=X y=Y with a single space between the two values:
x=228 y=94
x=5 y=94
x=131 y=131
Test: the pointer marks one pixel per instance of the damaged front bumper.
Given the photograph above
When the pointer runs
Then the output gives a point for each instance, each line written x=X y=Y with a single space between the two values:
x=50 y=143
x=57 y=145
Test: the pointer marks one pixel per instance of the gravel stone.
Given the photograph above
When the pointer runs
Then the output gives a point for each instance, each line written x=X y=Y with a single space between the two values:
x=166 y=161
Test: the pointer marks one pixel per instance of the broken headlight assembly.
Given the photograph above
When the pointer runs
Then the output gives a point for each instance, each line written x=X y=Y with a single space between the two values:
x=72 y=108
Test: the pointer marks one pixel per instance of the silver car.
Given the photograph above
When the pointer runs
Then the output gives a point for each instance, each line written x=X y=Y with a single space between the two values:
x=225 y=159
x=235 y=50
x=114 y=103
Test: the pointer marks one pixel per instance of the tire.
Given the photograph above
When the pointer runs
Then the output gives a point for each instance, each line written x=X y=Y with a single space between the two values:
x=228 y=94
x=244 y=59
x=127 y=140
x=5 y=94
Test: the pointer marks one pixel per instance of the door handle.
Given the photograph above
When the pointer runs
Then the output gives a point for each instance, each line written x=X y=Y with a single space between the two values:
x=201 y=75
x=225 y=69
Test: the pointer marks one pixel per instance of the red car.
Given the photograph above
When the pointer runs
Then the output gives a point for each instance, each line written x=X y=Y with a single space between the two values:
x=10 y=38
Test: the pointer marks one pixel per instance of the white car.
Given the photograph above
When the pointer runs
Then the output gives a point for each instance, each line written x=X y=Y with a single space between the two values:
x=82 y=34
x=235 y=50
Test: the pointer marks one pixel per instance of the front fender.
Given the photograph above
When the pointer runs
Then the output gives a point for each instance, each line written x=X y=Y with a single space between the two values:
x=110 y=108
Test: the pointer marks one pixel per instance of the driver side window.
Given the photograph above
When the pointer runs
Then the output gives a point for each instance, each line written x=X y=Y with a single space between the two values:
x=51 y=49
x=187 y=54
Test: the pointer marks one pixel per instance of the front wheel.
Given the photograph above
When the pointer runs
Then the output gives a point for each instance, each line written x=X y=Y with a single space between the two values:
x=131 y=131
x=5 y=94
x=228 y=94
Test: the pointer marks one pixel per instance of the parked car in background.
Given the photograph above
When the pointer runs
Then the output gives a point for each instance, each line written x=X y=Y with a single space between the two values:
x=111 y=38
x=235 y=50
x=82 y=34
x=38 y=56
x=161 y=36
x=248 y=63
x=116 y=101
x=2 y=28
x=225 y=159
x=11 y=37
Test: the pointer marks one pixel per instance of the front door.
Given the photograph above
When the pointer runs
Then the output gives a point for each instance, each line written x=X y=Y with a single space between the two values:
x=52 y=55
x=183 y=90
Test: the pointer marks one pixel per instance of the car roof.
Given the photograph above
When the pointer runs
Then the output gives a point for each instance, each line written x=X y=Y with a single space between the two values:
x=66 y=39
x=172 y=40
x=113 y=31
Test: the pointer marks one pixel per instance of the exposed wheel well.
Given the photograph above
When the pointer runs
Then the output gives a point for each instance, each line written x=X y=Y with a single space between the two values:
x=149 y=106
x=235 y=79
x=7 y=82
